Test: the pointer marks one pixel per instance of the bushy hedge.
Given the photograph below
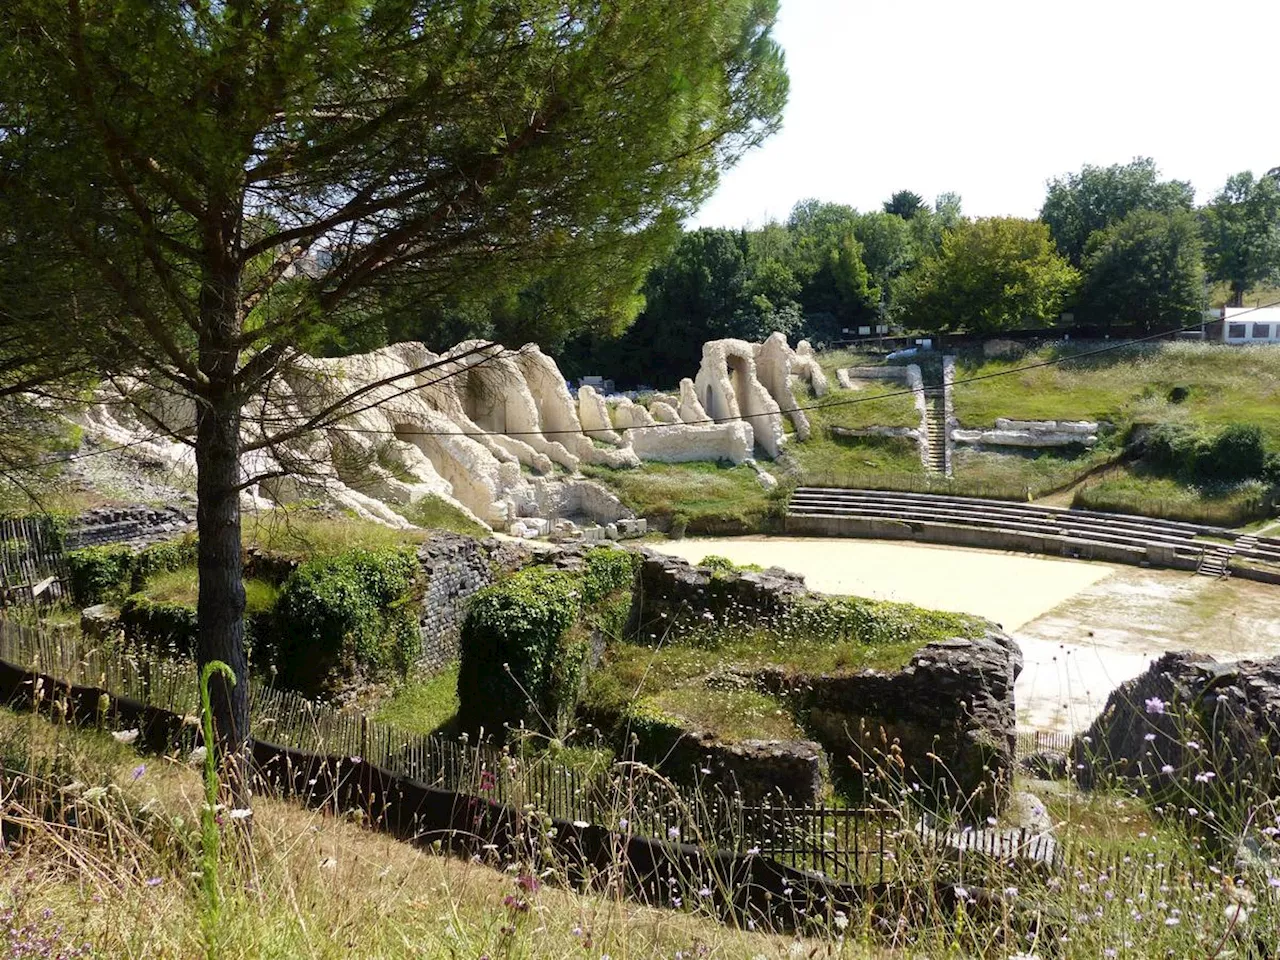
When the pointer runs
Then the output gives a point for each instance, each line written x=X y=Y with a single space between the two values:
x=1236 y=453
x=347 y=615
x=99 y=574
x=516 y=665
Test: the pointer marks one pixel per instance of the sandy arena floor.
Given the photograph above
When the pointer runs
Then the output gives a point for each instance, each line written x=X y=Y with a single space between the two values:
x=1083 y=627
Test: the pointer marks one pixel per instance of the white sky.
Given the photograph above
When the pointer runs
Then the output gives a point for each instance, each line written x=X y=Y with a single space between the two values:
x=991 y=98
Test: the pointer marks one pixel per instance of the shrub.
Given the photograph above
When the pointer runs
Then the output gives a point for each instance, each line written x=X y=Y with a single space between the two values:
x=1237 y=453
x=99 y=574
x=517 y=662
x=606 y=570
x=349 y=614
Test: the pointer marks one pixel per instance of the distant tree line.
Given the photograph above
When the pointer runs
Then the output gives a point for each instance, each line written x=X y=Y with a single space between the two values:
x=1112 y=245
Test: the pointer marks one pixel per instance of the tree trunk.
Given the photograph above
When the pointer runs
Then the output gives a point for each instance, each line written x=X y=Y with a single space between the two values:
x=1237 y=295
x=220 y=608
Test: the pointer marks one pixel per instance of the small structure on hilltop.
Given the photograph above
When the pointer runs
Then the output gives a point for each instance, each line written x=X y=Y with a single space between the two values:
x=496 y=434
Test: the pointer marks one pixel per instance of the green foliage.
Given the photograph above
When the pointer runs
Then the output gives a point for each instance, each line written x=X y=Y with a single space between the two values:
x=1236 y=453
x=98 y=574
x=999 y=273
x=423 y=704
x=354 y=613
x=161 y=624
x=1080 y=204
x=606 y=570
x=905 y=204
x=1145 y=269
x=723 y=566
x=164 y=557
x=1242 y=233
x=518 y=664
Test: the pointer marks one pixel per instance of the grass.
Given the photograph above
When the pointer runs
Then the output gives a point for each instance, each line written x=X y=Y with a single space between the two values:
x=733 y=715
x=856 y=409
x=1036 y=472
x=181 y=587
x=304 y=532
x=310 y=885
x=436 y=513
x=1133 y=490
x=707 y=497
x=424 y=704
x=1132 y=385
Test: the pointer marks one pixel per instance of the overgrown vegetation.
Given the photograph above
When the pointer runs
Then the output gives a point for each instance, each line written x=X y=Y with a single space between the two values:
x=525 y=643
x=696 y=498
x=347 y=615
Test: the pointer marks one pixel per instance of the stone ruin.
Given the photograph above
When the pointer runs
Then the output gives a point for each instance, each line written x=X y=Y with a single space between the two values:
x=499 y=436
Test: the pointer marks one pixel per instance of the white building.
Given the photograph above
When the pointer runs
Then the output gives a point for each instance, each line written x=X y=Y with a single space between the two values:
x=1249 y=324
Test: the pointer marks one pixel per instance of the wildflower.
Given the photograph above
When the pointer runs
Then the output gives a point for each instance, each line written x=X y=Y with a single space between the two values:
x=962 y=893
x=1011 y=892
x=623 y=823
x=528 y=883
x=841 y=921
x=1205 y=776
x=1273 y=882
x=197 y=755
x=581 y=824
x=1236 y=913
x=1110 y=952
x=94 y=794
x=1167 y=768
x=241 y=813
x=1193 y=745
x=1149 y=738
x=704 y=892
x=992 y=821
x=673 y=833
x=154 y=881
x=138 y=771
x=1192 y=812
x=1172 y=921
x=752 y=851
x=677 y=902
x=487 y=780
x=125 y=736
x=1155 y=705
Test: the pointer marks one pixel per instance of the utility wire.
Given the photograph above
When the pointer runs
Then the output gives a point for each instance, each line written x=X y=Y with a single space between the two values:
x=1110 y=348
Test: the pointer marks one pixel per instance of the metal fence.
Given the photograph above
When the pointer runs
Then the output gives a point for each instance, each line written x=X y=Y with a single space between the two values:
x=844 y=844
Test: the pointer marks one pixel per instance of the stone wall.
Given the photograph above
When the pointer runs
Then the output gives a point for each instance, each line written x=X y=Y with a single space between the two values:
x=455 y=568
x=673 y=595
x=949 y=715
x=135 y=526
x=1188 y=714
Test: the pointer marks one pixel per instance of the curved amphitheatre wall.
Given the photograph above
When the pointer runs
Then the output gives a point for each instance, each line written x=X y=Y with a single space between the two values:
x=499 y=436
